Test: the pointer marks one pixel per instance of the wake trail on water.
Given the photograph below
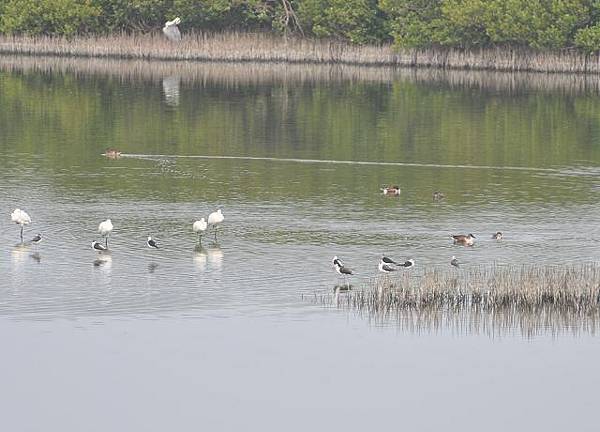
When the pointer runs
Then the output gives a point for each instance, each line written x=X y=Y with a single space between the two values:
x=340 y=162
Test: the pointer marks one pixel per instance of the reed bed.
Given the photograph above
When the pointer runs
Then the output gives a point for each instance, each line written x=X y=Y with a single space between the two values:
x=262 y=47
x=232 y=75
x=494 y=300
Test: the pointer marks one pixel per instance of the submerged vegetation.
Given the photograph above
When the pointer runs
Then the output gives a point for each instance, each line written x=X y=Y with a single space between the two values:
x=537 y=24
x=532 y=299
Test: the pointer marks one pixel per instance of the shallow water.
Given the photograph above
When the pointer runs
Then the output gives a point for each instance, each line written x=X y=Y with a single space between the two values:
x=296 y=165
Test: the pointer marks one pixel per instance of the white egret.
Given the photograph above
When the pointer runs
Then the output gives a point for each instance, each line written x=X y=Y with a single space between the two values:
x=20 y=217
x=105 y=229
x=214 y=219
x=199 y=227
x=171 y=30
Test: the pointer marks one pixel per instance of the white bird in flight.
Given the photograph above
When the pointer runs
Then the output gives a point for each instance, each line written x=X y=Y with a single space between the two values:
x=199 y=227
x=171 y=30
x=105 y=228
x=214 y=219
x=20 y=217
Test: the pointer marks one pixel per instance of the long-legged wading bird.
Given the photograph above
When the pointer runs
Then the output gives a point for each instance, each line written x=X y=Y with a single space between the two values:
x=171 y=30
x=151 y=243
x=454 y=262
x=20 y=217
x=105 y=229
x=98 y=246
x=214 y=219
x=408 y=263
x=387 y=268
x=342 y=270
x=199 y=227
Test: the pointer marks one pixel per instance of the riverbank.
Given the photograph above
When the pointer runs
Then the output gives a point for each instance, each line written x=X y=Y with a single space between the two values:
x=251 y=47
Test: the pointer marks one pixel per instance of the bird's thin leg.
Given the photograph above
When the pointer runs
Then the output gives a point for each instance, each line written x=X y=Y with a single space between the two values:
x=216 y=229
x=106 y=241
x=21 y=233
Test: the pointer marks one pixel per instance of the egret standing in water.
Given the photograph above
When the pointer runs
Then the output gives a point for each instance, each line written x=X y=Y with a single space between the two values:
x=199 y=227
x=20 y=217
x=105 y=229
x=171 y=30
x=214 y=219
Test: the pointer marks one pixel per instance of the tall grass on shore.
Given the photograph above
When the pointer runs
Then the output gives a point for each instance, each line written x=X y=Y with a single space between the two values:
x=494 y=300
x=231 y=75
x=261 y=47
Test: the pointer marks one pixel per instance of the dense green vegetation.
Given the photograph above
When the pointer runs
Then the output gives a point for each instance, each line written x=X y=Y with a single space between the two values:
x=539 y=24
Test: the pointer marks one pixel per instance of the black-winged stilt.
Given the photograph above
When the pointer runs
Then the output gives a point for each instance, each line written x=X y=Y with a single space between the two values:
x=98 y=246
x=151 y=243
x=454 y=262
x=497 y=236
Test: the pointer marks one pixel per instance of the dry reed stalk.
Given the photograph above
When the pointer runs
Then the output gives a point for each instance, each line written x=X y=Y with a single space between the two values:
x=244 y=47
x=494 y=300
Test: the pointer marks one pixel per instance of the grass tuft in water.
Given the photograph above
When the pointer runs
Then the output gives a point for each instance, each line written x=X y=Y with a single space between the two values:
x=531 y=299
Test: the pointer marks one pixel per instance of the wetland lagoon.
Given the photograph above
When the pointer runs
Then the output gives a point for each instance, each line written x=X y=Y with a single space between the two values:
x=248 y=332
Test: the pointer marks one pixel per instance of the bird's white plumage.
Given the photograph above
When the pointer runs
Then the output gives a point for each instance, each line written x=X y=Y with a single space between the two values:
x=200 y=226
x=20 y=217
x=216 y=217
x=171 y=30
x=105 y=227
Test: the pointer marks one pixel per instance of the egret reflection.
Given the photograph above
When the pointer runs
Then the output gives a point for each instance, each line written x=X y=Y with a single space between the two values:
x=200 y=257
x=171 y=86
x=19 y=253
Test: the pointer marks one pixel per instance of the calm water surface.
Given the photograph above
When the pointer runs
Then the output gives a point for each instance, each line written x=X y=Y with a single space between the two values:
x=225 y=335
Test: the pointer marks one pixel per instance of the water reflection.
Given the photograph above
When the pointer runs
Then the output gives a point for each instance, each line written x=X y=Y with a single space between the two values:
x=103 y=261
x=170 y=86
x=36 y=257
x=19 y=253
x=152 y=267
x=200 y=257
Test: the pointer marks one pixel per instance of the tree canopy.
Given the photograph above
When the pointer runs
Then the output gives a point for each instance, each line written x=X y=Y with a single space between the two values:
x=538 y=24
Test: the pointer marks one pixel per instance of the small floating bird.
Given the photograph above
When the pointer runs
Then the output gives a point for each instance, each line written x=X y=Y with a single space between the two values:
x=199 y=227
x=20 y=217
x=454 y=262
x=408 y=263
x=388 y=261
x=98 y=246
x=438 y=196
x=112 y=153
x=342 y=270
x=387 y=268
x=37 y=239
x=497 y=236
x=171 y=30
x=214 y=219
x=105 y=228
x=151 y=243
x=391 y=190
x=465 y=240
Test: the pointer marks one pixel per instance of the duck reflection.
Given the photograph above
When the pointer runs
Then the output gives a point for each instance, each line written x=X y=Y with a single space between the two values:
x=152 y=267
x=170 y=86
